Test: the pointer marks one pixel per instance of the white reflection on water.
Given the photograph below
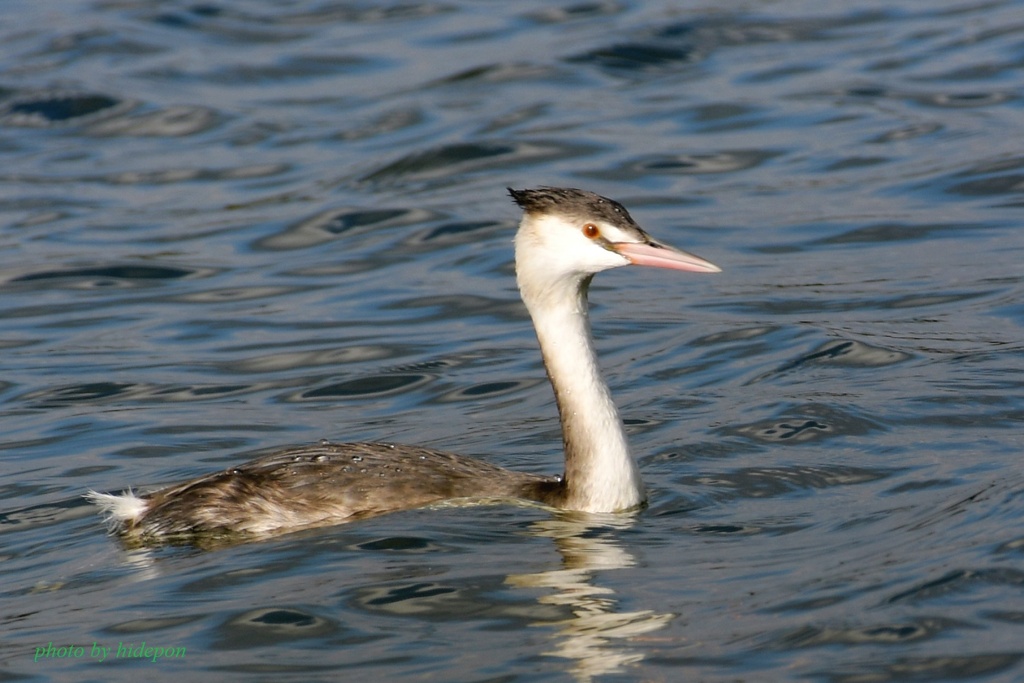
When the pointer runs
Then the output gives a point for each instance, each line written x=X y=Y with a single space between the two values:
x=598 y=634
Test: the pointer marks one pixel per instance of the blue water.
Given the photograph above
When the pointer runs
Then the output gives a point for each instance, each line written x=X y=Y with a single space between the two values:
x=232 y=226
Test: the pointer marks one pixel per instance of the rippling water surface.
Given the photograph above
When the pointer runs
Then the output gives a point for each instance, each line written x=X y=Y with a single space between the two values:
x=229 y=226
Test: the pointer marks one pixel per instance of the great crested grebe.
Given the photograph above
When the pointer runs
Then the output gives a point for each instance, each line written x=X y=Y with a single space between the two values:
x=565 y=237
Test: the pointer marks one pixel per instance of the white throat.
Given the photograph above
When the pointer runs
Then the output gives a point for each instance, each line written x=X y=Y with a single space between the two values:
x=600 y=472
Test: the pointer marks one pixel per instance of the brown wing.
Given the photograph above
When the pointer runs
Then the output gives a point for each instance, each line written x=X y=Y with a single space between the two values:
x=326 y=484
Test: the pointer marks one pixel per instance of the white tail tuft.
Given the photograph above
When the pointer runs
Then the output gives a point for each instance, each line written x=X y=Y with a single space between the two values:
x=118 y=510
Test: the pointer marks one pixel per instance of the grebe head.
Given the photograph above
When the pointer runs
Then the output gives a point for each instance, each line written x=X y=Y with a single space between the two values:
x=568 y=235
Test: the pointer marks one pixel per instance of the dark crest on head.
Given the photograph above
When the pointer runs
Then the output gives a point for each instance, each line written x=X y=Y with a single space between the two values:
x=577 y=205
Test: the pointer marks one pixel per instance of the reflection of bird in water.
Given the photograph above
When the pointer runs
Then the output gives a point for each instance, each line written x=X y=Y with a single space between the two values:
x=598 y=635
x=565 y=237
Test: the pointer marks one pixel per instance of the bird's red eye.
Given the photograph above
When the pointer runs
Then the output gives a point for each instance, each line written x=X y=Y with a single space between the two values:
x=591 y=231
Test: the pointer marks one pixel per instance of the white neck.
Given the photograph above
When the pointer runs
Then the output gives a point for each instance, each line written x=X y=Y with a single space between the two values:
x=600 y=473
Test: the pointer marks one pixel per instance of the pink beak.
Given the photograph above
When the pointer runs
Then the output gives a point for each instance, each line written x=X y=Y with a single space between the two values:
x=663 y=256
